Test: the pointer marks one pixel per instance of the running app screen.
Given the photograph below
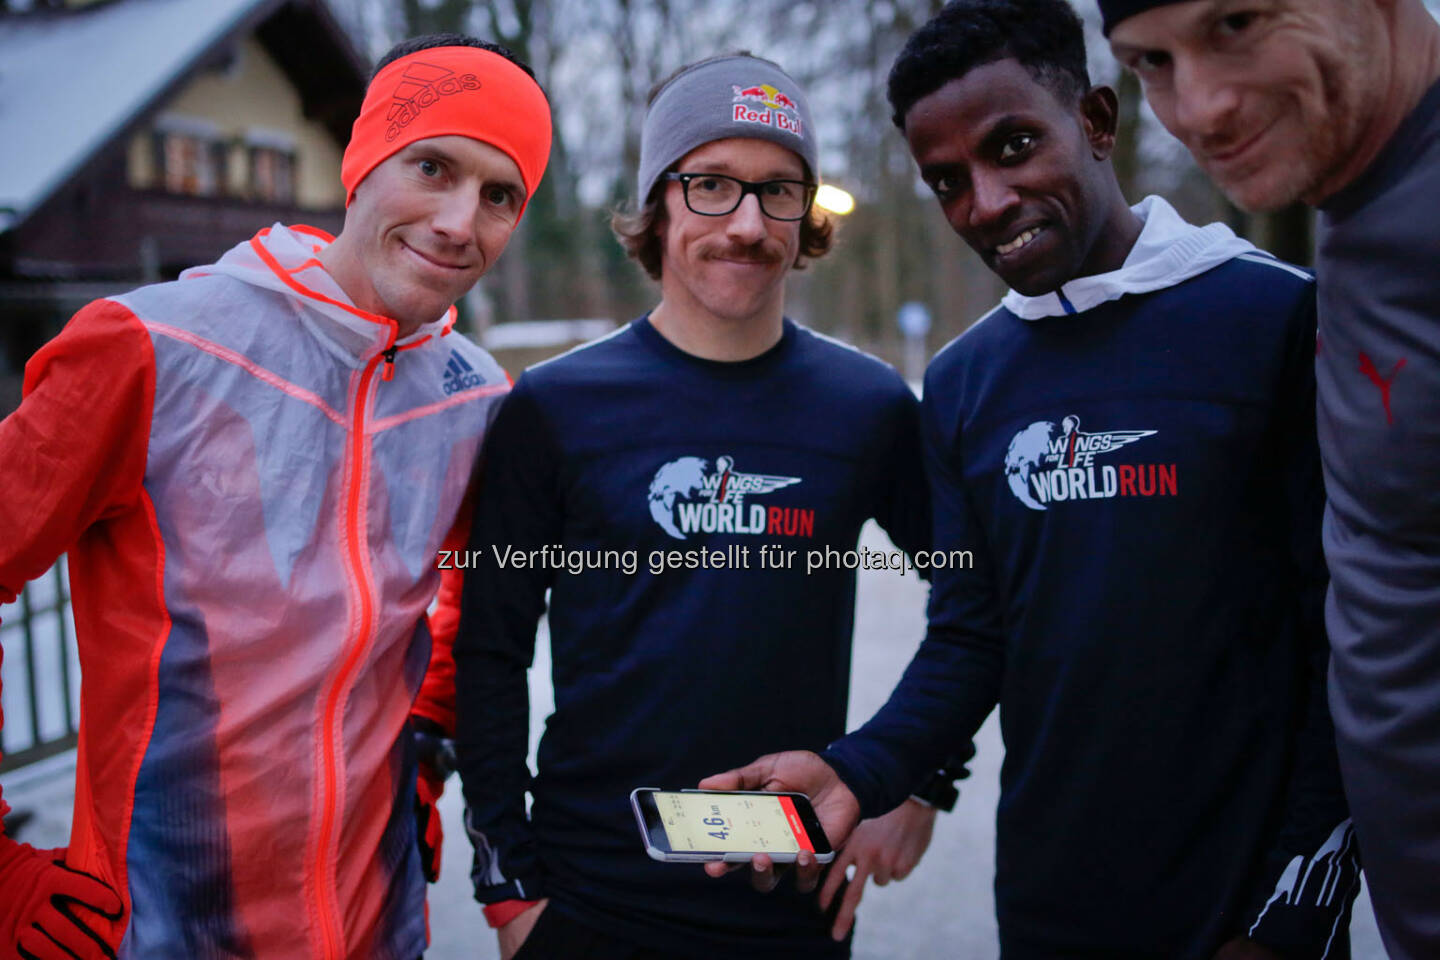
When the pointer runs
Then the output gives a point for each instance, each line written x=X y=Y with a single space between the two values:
x=731 y=822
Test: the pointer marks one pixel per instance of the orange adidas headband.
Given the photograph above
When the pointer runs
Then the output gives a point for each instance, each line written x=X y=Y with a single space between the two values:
x=450 y=91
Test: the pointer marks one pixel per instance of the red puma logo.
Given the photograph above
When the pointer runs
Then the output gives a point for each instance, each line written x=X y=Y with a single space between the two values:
x=1367 y=367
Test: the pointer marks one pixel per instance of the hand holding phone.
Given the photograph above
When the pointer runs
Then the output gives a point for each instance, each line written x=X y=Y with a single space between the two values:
x=799 y=771
x=694 y=826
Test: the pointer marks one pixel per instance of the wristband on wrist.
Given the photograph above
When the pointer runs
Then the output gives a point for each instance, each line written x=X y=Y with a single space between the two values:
x=938 y=791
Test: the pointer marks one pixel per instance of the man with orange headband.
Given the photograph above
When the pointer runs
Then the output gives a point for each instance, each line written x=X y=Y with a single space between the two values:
x=252 y=469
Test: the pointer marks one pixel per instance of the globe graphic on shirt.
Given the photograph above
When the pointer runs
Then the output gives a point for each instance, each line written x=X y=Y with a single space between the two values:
x=684 y=477
x=1027 y=450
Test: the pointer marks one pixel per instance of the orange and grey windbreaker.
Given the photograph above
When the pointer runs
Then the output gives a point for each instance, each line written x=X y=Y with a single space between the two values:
x=252 y=487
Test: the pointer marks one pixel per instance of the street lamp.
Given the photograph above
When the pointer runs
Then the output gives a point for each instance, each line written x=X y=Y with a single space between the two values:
x=834 y=200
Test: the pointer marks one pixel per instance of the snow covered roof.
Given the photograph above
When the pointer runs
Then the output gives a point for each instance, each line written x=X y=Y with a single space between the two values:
x=71 y=82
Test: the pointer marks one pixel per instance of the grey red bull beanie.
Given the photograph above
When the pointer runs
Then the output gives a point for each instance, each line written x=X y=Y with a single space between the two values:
x=1113 y=11
x=730 y=96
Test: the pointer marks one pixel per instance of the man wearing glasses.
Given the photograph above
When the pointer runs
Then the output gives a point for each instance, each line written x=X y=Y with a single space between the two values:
x=680 y=471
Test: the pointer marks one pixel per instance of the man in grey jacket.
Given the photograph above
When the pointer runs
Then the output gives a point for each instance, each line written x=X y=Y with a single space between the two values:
x=1336 y=103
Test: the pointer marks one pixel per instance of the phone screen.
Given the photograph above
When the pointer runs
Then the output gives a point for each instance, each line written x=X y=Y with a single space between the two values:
x=727 y=822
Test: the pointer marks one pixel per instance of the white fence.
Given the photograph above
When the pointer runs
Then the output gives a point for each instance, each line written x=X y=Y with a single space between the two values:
x=41 y=671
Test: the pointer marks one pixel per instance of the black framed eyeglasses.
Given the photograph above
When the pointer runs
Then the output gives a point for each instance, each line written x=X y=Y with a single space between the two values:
x=715 y=195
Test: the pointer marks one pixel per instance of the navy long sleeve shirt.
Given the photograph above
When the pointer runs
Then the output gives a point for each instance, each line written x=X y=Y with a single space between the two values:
x=1140 y=486
x=663 y=678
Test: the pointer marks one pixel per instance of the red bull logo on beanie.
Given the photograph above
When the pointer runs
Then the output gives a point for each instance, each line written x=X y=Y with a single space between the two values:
x=766 y=105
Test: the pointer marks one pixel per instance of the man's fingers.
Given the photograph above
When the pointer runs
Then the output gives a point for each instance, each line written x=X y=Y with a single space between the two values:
x=848 y=904
x=834 y=879
x=729 y=780
x=512 y=936
x=33 y=944
x=90 y=892
x=64 y=926
x=753 y=776
x=807 y=872
x=766 y=874
x=763 y=874
x=58 y=939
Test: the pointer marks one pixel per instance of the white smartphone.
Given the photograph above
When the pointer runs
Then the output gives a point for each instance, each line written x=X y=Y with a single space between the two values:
x=689 y=826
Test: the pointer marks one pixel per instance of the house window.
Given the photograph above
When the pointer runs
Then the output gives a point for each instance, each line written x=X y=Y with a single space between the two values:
x=192 y=165
x=272 y=174
x=189 y=157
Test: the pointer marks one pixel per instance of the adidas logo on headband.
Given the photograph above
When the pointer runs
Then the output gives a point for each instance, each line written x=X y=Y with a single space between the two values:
x=415 y=98
x=420 y=86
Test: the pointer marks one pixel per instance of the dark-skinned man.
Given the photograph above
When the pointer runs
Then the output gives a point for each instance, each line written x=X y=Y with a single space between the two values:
x=1125 y=442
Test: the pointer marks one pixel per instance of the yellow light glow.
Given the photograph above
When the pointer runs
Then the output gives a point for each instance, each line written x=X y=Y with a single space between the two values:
x=834 y=200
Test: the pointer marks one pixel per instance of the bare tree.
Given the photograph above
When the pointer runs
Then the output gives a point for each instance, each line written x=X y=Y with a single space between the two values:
x=598 y=60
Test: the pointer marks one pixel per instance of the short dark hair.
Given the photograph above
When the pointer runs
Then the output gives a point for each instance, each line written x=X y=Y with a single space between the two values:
x=1044 y=36
x=637 y=233
x=415 y=44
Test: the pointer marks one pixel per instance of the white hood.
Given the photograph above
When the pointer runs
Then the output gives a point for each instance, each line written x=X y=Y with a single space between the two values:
x=1168 y=251
x=349 y=332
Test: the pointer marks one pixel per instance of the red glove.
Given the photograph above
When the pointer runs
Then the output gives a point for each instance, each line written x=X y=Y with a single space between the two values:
x=45 y=907
x=429 y=832
x=436 y=755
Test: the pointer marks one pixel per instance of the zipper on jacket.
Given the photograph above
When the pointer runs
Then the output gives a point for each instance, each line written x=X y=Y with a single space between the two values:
x=389 y=354
x=355 y=558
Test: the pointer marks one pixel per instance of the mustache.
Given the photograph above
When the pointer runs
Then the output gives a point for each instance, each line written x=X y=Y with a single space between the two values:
x=762 y=252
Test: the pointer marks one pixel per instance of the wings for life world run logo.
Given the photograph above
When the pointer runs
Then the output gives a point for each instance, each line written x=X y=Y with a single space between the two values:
x=422 y=85
x=767 y=106
x=1053 y=464
x=689 y=496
